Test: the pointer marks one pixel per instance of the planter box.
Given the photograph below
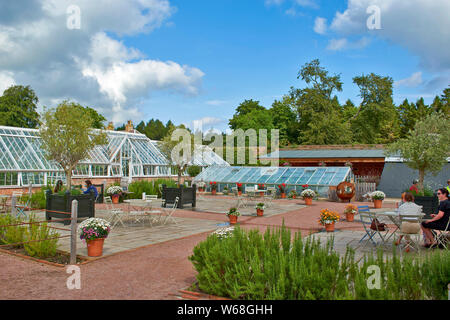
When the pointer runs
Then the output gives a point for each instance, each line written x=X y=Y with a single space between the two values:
x=186 y=195
x=430 y=204
x=63 y=203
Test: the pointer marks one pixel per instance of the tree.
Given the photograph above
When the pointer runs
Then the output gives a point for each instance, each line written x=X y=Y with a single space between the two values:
x=320 y=115
x=284 y=119
x=97 y=118
x=178 y=148
x=410 y=113
x=67 y=136
x=426 y=148
x=377 y=120
x=18 y=107
x=251 y=115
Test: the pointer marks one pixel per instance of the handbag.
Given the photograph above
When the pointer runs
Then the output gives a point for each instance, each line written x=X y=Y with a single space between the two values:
x=377 y=225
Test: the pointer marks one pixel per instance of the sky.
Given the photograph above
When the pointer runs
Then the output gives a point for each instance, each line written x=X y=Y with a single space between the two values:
x=193 y=62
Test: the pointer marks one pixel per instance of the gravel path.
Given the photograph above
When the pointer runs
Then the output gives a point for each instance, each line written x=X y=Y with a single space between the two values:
x=153 y=272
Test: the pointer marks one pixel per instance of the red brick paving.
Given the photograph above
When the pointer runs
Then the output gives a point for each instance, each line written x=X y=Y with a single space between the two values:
x=154 y=272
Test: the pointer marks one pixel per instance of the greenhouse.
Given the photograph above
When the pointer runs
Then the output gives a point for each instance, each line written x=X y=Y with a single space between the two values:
x=317 y=178
x=22 y=161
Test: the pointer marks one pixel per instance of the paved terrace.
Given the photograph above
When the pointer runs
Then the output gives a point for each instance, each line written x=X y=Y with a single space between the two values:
x=152 y=262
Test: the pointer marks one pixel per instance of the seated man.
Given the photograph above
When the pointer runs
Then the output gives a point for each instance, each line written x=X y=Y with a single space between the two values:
x=90 y=188
x=439 y=221
x=408 y=208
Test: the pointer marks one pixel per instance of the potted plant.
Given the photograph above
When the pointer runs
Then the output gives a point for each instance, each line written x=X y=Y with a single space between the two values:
x=94 y=231
x=308 y=195
x=213 y=186
x=239 y=187
x=261 y=187
x=260 y=209
x=233 y=215
x=115 y=193
x=282 y=188
x=377 y=197
x=427 y=199
x=292 y=194
x=225 y=190
x=350 y=211
x=328 y=219
x=201 y=186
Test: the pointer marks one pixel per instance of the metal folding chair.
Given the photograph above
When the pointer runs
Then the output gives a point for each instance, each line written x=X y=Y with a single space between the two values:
x=442 y=236
x=21 y=208
x=114 y=213
x=269 y=197
x=412 y=239
x=168 y=214
x=366 y=218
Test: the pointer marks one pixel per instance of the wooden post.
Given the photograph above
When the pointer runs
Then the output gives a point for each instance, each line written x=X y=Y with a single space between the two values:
x=13 y=205
x=73 y=233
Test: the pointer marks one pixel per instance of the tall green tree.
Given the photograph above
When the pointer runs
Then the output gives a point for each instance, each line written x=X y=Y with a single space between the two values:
x=284 y=118
x=251 y=115
x=377 y=120
x=320 y=114
x=18 y=106
x=67 y=136
x=97 y=119
x=425 y=148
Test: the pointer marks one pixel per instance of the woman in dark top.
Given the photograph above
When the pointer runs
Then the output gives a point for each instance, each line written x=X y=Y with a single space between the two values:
x=58 y=187
x=439 y=221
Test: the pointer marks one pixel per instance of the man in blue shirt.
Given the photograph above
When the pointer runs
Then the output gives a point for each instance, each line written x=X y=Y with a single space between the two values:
x=90 y=188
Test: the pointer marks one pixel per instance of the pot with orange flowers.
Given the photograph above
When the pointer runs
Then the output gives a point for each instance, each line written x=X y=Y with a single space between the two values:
x=328 y=219
x=282 y=188
x=213 y=186
x=350 y=211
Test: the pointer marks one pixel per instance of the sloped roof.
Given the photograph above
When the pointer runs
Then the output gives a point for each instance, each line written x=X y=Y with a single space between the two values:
x=328 y=153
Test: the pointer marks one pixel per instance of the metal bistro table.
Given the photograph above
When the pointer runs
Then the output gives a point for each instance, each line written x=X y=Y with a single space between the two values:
x=396 y=219
x=136 y=214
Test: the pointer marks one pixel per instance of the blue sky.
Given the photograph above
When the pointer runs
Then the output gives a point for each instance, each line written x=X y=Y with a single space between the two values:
x=215 y=54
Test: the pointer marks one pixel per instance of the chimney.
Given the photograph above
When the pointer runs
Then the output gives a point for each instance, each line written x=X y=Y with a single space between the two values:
x=110 y=126
x=129 y=126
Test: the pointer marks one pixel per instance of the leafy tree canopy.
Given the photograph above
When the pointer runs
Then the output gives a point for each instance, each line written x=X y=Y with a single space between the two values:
x=18 y=107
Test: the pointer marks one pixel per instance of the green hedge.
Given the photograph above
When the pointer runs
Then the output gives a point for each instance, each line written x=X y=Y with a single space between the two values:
x=249 y=265
x=149 y=187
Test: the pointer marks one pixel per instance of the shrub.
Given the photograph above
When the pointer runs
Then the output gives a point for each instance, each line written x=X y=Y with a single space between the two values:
x=249 y=265
x=41 y=249
x=194 y=171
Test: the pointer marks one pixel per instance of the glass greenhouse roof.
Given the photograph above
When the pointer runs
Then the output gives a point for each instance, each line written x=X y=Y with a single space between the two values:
x=315 y=176
x=20 y=150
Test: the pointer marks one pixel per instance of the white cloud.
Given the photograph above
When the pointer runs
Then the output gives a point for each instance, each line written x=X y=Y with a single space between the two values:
x=413 y=81
x=320 y=25
x=6 y=80
x=89 y=65
x=344 y=44
x=216 y=102
x=301 y=3
x=205 y=122
x=422 y=26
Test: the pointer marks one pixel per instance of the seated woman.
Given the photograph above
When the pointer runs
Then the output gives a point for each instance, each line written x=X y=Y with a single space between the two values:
x=90 y=188
x=58 y=187
x=408 y=208
x=439 y=221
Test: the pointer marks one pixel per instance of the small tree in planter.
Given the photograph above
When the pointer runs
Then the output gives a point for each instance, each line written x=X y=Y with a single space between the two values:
x=377 y=198
x=328 y=219
x=94 y=231
x=426 y=148
x=260 y=209
x=233 y=215
x=115 y=192
x=308 y=195
x=67 y=136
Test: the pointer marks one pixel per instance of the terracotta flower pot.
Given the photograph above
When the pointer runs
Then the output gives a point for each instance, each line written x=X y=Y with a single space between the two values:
x=115 y=198
x=213 y=192
x=308 y=201
x=95 y=247
x=233 y=219
x=329 y=227
x=350 y=217
x=261 y=194
x=240 y=193
x=294 y=196
x=259 y=212
x=283 y=195
x=377 y=203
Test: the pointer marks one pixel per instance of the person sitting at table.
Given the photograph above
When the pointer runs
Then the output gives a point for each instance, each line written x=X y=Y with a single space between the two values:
x=439 y=221
x=402 y=200
x=90 y=188
x=408 y=208
x=58 y=187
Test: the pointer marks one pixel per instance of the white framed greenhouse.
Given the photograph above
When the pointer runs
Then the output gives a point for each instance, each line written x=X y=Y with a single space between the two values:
x=132 y=155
